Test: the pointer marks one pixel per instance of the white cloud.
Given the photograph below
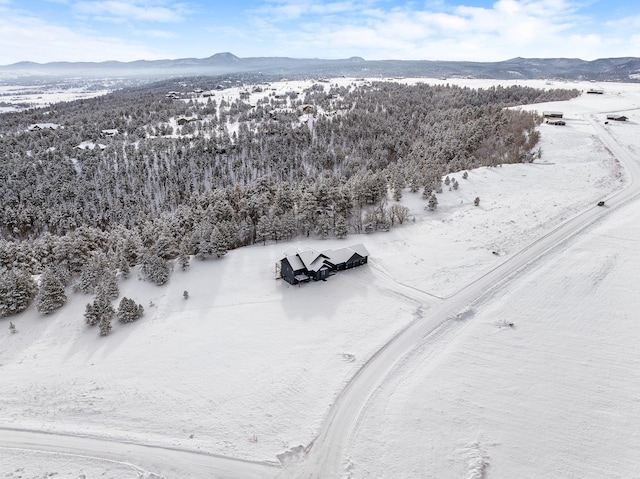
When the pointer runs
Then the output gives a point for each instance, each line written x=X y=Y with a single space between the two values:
x=29 y=38
x=132 y=10
x=508 y=28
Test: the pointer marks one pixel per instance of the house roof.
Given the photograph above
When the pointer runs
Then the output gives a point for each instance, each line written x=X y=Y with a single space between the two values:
x=312 y=260
x=44 y=126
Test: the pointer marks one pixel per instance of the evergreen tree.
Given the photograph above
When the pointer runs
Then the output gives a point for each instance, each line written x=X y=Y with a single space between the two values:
x=123 y=266
x=341 y=229
x=476 y=202
x=263 y=229
x=218 y=242
x=105 y=325
x=129 y=311
x=155 y=269
x=110 y=285
x=17 y=289
x=433 y=202
x=90 y=316
x=51 y=294
x=184 y=257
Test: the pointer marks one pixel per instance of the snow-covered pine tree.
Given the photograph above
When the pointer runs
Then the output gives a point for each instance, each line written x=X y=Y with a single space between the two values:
x=105 y=325
x=17 y=289
x=341 y=229
x=155 y=269
x=218 y=241
x=90 y=316
x=184 y=257
x=110 y=285
x=51 y=294
x=433 y=202
x=263 y=229
x=123 y=265
x=128 y=310
x=90 y=273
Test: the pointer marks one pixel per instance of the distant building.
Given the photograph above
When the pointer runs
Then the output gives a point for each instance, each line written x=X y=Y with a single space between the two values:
x=552 y=114
x=184 y=120
x=303 y=266
x=596 y=91
x=109 y=132
x=555 y=121
x=43 y=126
x=616 y=117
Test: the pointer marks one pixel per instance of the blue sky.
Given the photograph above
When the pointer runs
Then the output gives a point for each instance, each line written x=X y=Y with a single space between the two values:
x=477 y=30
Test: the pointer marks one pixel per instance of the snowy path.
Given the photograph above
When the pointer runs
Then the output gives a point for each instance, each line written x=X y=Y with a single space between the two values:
x=149 y=461
x=325 y=456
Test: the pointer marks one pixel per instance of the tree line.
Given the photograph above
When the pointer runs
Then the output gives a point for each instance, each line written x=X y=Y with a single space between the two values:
x=318 y=162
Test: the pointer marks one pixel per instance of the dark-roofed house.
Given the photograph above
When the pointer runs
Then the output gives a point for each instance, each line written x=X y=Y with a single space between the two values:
x=303 y=266
x=616 y=117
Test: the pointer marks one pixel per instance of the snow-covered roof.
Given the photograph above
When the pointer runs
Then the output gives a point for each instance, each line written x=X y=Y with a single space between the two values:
x=313 y=260
x=308 y=257
x=44 y=126
x=295 y=262
x=360 y=249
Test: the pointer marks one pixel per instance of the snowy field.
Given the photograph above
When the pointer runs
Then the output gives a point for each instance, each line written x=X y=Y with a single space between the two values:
x=248 y=366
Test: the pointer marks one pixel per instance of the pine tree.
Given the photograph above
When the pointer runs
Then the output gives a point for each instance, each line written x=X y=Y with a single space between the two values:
x=263 y=229
x=90 y=316
x=110 y=285
x=51 y=294
x=218 y=242
x=341 y=229
x=123 y=266
x=184 y=257
x=17 y=289
x=433 y=202
x=129 y=311
x=105 y=325
x=155 y=269
x=476 y=202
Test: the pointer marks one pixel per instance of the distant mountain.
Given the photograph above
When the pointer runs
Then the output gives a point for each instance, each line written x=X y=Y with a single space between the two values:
x=605 y=69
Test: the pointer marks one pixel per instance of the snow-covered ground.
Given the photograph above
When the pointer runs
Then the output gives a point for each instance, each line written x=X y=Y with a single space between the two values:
x=248 y=366
x=19 y=97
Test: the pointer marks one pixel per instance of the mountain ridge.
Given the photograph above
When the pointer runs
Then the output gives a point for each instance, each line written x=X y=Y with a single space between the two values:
x=602 y=69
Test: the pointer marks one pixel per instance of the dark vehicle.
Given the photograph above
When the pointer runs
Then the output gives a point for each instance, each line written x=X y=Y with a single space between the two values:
x=600 y=203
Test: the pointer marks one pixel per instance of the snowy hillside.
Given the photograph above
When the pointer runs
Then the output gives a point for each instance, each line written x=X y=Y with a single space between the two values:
x=248 y=366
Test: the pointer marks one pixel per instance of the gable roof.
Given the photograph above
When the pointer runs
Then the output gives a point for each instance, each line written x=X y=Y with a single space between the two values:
x=312 y=260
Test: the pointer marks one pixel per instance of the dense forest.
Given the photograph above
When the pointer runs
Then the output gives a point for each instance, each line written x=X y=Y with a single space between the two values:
x=169 y=171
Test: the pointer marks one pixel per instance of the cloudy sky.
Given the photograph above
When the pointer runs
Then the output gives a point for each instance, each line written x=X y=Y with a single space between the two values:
x=480 y=30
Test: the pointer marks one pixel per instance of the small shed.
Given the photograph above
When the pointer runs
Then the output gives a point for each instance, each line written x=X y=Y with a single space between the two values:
x=616 y=117
x=552 y=114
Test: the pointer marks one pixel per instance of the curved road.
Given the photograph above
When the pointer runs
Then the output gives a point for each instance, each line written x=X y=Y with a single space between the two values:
x=325 y=455
x=160 y=461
